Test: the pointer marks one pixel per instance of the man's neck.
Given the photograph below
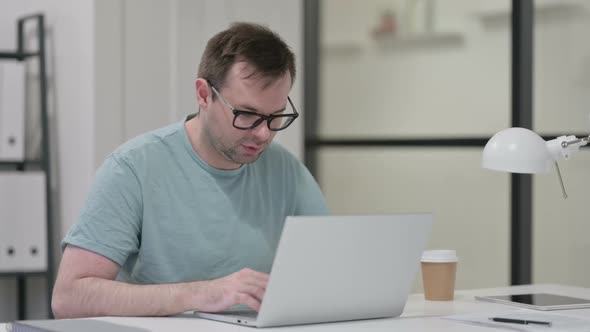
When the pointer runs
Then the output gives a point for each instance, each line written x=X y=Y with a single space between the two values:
x=203 y=147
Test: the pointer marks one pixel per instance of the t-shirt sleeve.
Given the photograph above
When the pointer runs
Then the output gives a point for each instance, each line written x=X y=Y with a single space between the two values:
x=110 y=222
x=309 y=199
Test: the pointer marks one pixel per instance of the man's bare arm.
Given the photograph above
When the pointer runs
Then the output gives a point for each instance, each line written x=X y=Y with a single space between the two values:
x=85 y=287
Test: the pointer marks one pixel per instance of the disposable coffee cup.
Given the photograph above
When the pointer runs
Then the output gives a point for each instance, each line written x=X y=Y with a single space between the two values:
x=439 y=268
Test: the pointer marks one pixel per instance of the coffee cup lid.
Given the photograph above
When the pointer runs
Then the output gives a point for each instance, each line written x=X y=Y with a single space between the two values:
x=439 y=256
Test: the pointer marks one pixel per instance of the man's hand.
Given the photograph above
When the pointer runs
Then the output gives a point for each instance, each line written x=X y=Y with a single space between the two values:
x=243 y=287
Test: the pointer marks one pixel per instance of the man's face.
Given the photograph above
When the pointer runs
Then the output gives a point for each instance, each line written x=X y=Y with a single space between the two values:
x=249 y=94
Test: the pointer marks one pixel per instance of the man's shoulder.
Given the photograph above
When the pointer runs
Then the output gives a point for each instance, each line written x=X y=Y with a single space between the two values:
x=155 y=142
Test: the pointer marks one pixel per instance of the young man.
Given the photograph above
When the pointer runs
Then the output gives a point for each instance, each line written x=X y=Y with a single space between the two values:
x=188 y=217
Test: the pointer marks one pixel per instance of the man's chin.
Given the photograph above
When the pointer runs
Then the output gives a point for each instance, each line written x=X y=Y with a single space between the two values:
x=248 y=159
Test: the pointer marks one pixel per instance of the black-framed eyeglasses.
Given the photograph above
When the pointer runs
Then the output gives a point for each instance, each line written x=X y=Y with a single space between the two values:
x=245 y=120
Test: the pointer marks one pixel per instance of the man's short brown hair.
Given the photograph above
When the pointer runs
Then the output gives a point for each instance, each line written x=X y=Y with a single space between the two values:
x=253 y=43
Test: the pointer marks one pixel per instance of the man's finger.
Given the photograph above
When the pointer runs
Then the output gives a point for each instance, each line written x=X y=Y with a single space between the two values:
x=256 y=292
x=252 y=281
x=249 y=300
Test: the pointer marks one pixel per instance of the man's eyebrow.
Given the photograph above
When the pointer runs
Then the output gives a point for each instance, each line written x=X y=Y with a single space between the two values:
x=245 y=107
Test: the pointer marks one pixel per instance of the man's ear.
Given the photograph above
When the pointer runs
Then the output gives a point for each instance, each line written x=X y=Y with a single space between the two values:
x=203 y=93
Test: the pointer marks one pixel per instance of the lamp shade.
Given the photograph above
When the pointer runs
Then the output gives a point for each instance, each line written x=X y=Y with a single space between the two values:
x=517 y=150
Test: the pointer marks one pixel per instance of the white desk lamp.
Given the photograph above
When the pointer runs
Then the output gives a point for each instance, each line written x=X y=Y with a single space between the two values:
x=520 y=150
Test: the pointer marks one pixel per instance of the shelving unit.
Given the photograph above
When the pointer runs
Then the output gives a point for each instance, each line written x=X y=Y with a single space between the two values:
x=43 y=163
x=434 y=39
x=541 y=10
x=396 y=41
x=346 y=47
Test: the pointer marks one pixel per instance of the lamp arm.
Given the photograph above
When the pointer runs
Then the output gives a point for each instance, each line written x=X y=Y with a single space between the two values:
x=563 y=147
x=583 y=141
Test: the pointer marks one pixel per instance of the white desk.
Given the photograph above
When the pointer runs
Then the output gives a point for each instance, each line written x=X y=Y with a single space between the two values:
x=419 y=315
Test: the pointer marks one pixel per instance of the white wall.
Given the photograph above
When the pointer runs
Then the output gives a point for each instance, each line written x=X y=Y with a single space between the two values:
x=146 y=71
x=109 y=119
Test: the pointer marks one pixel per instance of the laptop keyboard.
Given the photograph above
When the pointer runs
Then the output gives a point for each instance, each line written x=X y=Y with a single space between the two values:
x=242 y=313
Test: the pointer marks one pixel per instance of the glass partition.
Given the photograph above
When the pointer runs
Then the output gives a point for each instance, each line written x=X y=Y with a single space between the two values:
x=409 y=91
x=470 y=205
x=442 y=70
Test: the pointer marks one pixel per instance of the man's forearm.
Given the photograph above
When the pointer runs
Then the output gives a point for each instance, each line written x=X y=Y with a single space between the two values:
x=91 y=296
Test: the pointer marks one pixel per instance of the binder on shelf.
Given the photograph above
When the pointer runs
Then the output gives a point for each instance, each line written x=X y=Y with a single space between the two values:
x=12 y=111
x=23 y=239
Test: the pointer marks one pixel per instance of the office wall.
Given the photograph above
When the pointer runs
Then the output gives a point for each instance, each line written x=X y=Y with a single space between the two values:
x=146 y=71
x=118 y=68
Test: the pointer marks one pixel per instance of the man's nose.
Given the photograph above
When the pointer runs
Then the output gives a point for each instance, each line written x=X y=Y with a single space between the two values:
x=262 y=133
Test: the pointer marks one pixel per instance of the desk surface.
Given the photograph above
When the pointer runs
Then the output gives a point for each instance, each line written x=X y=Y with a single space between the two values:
x=419 y=315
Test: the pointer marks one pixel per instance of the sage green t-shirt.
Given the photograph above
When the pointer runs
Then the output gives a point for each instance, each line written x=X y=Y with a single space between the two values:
x=166 y=216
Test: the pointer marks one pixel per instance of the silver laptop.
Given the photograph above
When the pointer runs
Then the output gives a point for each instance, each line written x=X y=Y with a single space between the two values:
x=338 y=268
